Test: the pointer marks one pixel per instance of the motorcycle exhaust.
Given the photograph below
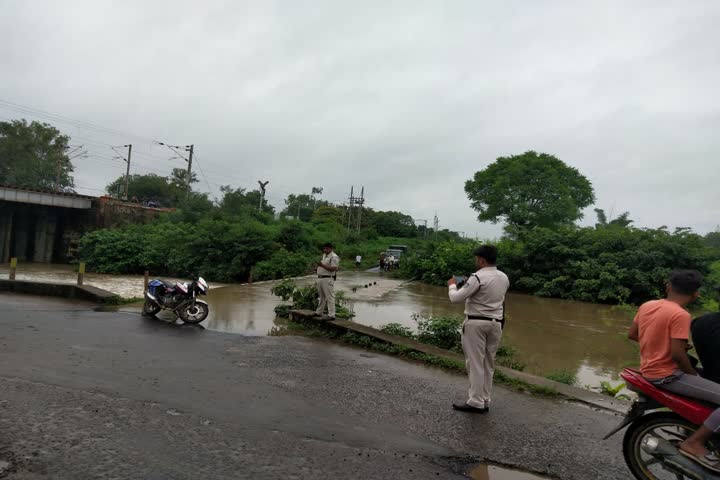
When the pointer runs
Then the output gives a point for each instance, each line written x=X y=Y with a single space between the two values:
x=671 y=456
x=152 y=298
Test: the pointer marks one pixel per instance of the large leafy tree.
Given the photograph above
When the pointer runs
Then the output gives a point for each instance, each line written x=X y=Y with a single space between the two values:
x=529 y=190
x=301 y=206
x=146 y=188
x=391 y=224
x=33 y=154
x=237 y=200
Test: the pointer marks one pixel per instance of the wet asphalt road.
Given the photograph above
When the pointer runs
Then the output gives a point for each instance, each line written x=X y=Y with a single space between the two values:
x=87 y=394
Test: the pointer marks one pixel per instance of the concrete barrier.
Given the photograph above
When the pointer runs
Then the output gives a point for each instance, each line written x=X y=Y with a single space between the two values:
x=79 y=292
x=582 y=395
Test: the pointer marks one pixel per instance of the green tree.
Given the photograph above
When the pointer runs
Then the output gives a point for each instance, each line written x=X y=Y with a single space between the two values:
x=239 y=200
x=301 y=206
x=712 y=239
x=391 y=224
x=622 y=220
x=529 y=190
x=31 y=154
x=146 y=188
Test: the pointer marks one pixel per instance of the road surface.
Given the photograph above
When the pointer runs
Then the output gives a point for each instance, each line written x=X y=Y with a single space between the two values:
x=86 y=394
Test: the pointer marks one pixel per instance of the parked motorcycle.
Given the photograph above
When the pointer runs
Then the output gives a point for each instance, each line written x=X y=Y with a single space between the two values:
x=650 y=445
x=178 y=297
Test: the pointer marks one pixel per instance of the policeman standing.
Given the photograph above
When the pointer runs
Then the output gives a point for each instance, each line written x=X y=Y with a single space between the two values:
x=326 y=272
x=484 y=297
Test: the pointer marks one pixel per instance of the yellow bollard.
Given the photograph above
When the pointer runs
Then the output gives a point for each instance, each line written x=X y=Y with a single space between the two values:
x=81 y=273
x=13 y=268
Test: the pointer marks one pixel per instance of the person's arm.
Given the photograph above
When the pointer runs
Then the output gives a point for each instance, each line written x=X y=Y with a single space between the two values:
x=678 y=352
x=634 y=333
x=679 y=334
x=460 y=295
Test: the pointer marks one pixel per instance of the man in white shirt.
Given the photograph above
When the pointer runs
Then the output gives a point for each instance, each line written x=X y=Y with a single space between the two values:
x=326 y=272
x=484 y=297
x=358 y=260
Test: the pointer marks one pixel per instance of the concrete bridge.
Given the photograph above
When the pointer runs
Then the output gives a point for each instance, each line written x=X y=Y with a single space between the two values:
x=41 y=226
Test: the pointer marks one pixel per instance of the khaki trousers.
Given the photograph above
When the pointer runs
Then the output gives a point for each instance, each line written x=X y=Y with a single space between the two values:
x=480 y=341
x=326 y=288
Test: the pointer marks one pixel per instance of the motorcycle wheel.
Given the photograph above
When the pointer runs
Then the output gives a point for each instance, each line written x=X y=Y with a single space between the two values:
x=150 y=308
x=194 y=313
x=667 y=425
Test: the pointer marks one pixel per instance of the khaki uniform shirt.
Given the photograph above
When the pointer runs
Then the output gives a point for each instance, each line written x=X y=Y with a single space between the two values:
x=330 y=259
x=484 y=298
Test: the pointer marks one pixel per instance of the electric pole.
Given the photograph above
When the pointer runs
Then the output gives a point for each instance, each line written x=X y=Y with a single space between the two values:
x=187 y=148
x=127 y=172
x=262 y=193
x=189 y=174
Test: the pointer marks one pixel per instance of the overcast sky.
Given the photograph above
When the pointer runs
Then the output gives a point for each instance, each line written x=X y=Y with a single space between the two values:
x=406 y=98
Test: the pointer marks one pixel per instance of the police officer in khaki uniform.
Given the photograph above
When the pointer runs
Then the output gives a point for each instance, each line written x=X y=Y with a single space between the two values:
x=484 y=297
x=326 y=272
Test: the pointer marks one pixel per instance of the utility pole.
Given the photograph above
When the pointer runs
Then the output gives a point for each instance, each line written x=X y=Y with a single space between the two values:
x=187 y=148
x=127 y=172
x=360 y=202
x=262 y=193
x=436 y=225
x=189 y=174
x=350 y=207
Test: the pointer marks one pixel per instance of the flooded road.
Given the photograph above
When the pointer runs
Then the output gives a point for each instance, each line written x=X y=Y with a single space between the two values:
x=549 y=335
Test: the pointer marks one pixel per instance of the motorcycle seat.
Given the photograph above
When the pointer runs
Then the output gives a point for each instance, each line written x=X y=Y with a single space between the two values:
x=168 y=285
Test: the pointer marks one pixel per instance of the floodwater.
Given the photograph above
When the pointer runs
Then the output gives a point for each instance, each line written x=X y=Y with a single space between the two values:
x=549 y=335
x=127 y=286
x=492 y=472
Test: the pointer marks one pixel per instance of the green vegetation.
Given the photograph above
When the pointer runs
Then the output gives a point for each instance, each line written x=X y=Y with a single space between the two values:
x=563 y=376
x=306 y=298
x=606 y=264
x=35 y=155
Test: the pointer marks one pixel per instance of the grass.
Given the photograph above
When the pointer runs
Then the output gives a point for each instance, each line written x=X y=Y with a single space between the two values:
x=563 y=376
x=370 y=343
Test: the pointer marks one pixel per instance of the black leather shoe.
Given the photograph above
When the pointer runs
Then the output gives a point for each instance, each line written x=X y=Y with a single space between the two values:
x=464 y=407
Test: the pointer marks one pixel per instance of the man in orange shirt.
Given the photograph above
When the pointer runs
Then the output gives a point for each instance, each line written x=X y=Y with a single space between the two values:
x=662 y=328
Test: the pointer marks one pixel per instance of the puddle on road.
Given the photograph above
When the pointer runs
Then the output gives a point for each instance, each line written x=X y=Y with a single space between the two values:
x=492 y=472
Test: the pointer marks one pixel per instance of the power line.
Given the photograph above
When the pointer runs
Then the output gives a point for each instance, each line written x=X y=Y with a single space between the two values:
x=70 y=121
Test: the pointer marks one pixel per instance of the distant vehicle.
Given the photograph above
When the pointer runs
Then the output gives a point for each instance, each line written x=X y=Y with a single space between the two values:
x=394 y=251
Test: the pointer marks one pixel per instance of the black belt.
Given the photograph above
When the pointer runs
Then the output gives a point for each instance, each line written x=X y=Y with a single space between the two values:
x=325 y=276
x=480 y=317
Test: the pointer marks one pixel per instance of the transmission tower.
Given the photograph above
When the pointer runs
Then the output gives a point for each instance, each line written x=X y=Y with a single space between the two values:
x=355 y=203
x=436 y=225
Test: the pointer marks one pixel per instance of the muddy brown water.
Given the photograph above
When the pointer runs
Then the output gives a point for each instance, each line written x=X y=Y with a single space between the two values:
x=549 y=335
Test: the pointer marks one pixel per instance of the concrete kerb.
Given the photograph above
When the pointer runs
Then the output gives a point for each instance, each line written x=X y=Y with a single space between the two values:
x=63 y=290
x=568 y=392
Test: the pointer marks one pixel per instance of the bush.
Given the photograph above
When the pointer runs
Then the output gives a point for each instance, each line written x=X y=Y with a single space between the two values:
x=307 y=298
x=283 y=264
x=397 y=329
x=443 y=332
x=614 y=265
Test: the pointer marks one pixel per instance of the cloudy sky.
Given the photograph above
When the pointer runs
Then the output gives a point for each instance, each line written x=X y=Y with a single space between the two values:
x=408 y=98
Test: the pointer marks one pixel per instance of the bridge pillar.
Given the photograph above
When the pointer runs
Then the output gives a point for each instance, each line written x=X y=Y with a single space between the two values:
x=45 y=237
x=6 y=225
